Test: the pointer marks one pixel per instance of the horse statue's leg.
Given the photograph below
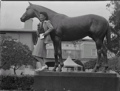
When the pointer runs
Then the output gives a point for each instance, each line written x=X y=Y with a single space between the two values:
x=99 y=52
x=104 y=52
x=60 y=56
x=58 y=52
x=55 y=55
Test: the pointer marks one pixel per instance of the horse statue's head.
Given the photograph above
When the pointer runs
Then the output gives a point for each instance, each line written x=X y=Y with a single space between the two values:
x=29 y=13
x=33 y=11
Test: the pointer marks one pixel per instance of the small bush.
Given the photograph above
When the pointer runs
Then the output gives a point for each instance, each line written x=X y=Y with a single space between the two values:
x=90 y=64
x=16 y=83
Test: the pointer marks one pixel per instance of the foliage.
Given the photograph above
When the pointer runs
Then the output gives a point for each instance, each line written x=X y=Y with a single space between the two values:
x=113 y=64
x=90 y=64
x=1 y=40
x=18 y=83
x=114 y=20
x=15 y=54
x=114 y=8
x=114 y=45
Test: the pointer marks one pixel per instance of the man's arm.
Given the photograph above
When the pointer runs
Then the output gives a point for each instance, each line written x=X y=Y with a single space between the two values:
x=50 y=28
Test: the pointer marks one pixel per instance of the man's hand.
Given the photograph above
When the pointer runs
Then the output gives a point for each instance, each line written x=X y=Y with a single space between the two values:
x=42 y=36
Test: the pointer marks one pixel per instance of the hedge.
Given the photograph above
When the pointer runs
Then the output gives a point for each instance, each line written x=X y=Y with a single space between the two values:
x=16 y=83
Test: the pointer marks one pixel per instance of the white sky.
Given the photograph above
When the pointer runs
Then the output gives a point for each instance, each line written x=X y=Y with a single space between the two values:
x=13 y=10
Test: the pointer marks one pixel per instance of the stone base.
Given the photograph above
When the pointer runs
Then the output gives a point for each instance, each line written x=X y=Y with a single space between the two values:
x=75 y=81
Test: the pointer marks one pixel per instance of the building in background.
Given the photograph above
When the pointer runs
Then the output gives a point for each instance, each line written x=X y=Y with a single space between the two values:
x=82 y=50
x=26 y=35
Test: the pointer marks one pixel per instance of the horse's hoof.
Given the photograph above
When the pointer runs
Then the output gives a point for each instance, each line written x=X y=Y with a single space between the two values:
x=54 y=69
x=94 y=70
x=105 y=70
x=59 y=69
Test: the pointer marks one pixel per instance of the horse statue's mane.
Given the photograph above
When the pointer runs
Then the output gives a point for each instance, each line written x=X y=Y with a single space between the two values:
x=38 y=7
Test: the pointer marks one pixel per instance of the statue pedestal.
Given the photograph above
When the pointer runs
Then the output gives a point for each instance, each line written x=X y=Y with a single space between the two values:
x=75 y=81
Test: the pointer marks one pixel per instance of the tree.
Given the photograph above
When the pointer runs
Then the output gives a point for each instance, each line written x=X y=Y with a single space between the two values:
x=15 y=54
x=113 y=64
x=90 y=64
x=114 y=20
x=114 y=8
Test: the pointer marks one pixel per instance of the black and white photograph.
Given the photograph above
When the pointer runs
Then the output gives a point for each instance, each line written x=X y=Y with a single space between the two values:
x=60 y=45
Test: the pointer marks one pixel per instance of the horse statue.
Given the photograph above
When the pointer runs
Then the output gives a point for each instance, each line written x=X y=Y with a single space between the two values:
x=71 y=29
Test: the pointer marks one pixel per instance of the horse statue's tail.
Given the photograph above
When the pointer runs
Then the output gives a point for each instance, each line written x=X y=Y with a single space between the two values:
x=108 y=37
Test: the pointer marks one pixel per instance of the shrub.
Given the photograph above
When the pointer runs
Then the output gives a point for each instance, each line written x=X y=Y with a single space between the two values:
x=17 y=83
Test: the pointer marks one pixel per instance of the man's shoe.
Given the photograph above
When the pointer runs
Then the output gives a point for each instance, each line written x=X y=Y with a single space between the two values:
x=39 y=69
x=44 y=67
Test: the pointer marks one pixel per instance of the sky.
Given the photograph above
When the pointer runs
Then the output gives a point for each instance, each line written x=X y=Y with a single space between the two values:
x=11 y=11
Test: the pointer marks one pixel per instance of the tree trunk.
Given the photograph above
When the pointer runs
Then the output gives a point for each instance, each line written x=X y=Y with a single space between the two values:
x=119 y=44
x=14 y=70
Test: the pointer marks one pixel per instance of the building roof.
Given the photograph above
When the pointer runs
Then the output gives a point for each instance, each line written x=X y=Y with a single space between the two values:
x=34 y=32
x=4 y=30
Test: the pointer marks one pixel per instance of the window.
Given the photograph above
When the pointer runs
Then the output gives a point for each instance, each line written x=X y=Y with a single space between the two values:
x=67 y=45
x=94 y=52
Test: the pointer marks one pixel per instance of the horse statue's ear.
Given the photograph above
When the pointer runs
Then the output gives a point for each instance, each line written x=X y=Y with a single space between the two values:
x=29 y=3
